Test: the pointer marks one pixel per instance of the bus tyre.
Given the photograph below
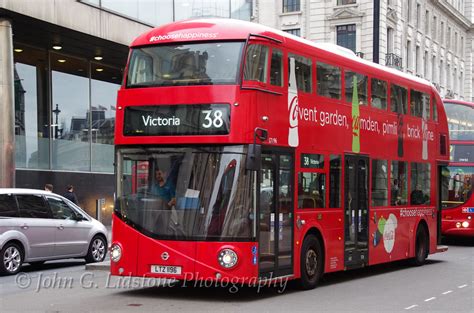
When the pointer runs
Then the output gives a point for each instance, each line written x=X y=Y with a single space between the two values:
x=97 y=250
x=421 y=247
x=11 y=259
x=311 y=262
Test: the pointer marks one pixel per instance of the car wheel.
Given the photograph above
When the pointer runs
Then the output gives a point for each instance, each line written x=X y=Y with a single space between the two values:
x=311 y=262
x=97 y=250
x=12 y=259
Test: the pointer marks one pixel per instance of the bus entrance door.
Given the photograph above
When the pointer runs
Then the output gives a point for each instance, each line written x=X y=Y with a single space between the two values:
x=356 y=205
x=276 y=215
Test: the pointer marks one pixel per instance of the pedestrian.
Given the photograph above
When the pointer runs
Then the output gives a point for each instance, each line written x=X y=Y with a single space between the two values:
x=70 y=195
x=48 y=187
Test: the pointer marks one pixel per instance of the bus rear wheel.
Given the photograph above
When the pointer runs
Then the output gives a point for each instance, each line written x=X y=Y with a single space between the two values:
x=421 y=247
x=311 y=262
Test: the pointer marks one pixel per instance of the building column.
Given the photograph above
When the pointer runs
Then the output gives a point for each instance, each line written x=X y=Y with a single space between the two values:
x=7 y=116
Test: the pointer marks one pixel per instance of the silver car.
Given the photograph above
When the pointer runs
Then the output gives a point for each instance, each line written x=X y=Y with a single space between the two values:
x=36 y=226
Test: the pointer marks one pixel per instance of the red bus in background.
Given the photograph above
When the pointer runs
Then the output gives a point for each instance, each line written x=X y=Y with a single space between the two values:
x=458 y=178
x=270 y=157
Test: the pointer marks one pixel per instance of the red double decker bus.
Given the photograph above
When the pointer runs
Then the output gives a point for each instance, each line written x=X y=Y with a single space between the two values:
x=458 y=178
x=270 y=157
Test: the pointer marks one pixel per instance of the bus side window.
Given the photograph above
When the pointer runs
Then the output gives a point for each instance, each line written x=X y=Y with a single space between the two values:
x=303 y=72
x=420 y=183
x=328 y=80
x=415 y=103
x=419 y=104
x=435 y=110
x=398 y=99
x=361 y=87
x=379 y=183
x=256 y=61
x=276 y=68
x=335 y=181
x=311 y=190
x=398 y=183
x=379 y=93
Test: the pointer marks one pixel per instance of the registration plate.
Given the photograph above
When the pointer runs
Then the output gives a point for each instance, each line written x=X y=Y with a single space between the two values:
x=164 y=269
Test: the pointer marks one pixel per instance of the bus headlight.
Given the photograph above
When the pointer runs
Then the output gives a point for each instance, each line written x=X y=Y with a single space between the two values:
x=465 y=224
x=115 y=252
x=227 y=258
x=458 y=224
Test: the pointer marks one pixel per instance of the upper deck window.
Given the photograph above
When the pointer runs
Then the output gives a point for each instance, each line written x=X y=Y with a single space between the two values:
x=276 y=68
x=361 y=83
x=329 y=80
x=379 y=93
x=419 y=104
x=303 y=72
x=460 y=121
x=398 y=99
x=256 y=61
x=185 y=64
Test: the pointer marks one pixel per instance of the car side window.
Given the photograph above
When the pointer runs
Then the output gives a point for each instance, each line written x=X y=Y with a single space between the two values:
x=60 y=209
x=8 y=207
x=33 y=206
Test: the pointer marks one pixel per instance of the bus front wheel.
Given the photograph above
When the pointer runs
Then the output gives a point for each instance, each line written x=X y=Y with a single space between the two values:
x=311 y=262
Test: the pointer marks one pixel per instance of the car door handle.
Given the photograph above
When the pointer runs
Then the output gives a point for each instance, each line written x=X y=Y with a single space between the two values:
x=24 y=227
x=60 y=227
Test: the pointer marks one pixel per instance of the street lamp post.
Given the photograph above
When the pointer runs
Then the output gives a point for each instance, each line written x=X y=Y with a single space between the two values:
x=56 y=129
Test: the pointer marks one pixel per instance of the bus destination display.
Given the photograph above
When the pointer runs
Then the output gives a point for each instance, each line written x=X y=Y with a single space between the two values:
x=172 y=120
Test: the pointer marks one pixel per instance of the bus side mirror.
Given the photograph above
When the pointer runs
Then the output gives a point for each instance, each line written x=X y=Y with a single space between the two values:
x=254 y=157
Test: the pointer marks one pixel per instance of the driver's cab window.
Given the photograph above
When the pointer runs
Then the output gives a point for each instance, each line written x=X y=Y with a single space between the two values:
x=256 y=62
x=60 y=209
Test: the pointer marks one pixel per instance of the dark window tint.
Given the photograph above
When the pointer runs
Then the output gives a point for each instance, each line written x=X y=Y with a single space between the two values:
x=303 y=72
x=335 y=181
x=420 y=183
x=311 y=190
x=398 y=99
x=60 y=209
x=379 y=183
x=256 y=63
x=419 y=104
x=32 y=206
x=358 y=81
x=399 y=184
x=329 y=80
x=8 y=206
x=379 y=93
x=276 y=68
x=435 y=110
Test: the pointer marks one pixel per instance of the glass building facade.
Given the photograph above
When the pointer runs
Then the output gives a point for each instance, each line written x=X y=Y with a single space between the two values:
x=159 y=12
x=72 y=128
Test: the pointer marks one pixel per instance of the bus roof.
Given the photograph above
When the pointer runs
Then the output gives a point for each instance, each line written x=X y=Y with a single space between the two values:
x=231 y=29
x=461 y=102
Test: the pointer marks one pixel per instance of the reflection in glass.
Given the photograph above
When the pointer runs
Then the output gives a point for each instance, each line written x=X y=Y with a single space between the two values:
x=185 y=9
x=70 y=114
x=31 y=120
x=399 y=185
x=457 y=185
x=104 y=86
x=460 y=121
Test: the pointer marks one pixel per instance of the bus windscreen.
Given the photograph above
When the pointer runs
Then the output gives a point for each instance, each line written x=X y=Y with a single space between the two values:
x=187 y=193
x=185 y=64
